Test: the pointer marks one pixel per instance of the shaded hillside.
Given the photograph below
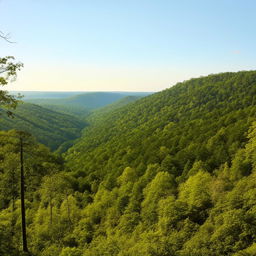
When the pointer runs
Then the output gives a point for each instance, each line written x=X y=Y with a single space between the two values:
x=49 y=127
x=98 y=113
x=69 y=109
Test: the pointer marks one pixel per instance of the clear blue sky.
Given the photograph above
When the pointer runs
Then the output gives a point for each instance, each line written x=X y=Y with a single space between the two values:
x=132 y=45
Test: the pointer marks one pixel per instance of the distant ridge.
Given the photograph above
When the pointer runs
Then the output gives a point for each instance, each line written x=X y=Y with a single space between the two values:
x=85 y=102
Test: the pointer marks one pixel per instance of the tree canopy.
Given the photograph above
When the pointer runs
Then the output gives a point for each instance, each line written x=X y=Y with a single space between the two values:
x=8 y=72
x=169 y=174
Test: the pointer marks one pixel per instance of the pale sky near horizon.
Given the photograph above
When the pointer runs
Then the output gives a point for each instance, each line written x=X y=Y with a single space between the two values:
x=125 y=45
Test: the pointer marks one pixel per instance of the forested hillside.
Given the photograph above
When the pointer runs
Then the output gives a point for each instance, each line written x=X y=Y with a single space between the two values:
x=166 y=174
x=49 y=127
x=100 y=112
x=171 y=174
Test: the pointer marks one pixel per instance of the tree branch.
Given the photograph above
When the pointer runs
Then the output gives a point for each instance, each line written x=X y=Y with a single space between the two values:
x=6 y=37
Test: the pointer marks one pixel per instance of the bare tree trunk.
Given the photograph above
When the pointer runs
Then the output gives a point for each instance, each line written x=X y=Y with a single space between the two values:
x=22 y=198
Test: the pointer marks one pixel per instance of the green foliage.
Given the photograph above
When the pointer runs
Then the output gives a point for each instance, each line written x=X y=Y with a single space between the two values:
x=186 y=148
x=196 y=191
x=49 y=127
x=160 y=187
x=250 y=251
x=8 y=72
x=71 y=252
x=6 y=246
x=169 y=174
x=38 y=162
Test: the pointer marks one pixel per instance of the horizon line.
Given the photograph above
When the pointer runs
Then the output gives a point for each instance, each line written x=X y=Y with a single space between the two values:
x=76 y=91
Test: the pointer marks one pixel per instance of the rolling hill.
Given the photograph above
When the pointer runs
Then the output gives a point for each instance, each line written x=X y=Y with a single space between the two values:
x=49 y=127
x=82 y=104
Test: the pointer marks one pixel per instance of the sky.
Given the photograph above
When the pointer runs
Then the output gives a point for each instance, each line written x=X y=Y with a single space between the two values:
x=125 y=45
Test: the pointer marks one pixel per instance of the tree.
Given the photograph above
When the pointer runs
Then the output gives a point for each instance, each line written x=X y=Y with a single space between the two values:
x=13 y=146
x=161 y=186
x=55 y=188
x=8 y=73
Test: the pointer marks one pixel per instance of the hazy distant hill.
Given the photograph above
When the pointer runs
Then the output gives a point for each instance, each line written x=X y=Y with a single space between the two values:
x=89 y=100
x=27 y=95
x=49 y=127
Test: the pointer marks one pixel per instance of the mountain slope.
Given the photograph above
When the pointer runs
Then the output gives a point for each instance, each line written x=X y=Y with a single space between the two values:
x=49 y=127
x=165 y=174
x=99 y=112
x=204 y=102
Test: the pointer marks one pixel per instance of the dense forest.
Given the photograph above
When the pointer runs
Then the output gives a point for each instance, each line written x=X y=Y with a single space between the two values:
x=57 y=126
x=170 y=174
x=50 y=127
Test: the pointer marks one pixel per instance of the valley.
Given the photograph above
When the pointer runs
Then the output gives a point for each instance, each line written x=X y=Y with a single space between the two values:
x=127 y=128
